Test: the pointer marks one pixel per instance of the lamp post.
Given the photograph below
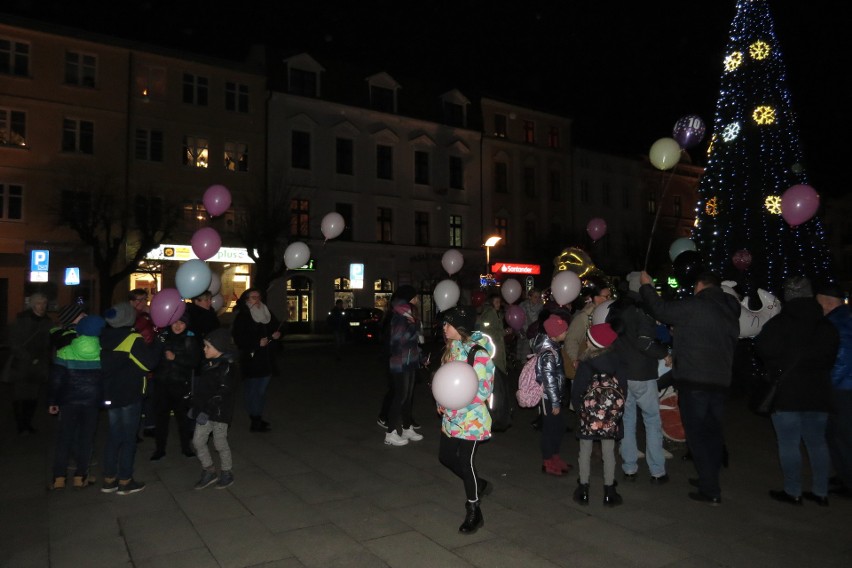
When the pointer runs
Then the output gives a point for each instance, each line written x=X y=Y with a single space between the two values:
x=489 y=242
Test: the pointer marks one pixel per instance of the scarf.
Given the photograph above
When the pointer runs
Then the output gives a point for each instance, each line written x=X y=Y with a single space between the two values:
x=260 y=313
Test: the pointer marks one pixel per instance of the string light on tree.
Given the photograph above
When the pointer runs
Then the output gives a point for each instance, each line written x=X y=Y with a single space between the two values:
x=749 y=166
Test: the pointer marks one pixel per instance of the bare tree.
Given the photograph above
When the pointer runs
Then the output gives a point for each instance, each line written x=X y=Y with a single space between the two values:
x=119 y=226
x=263 y=226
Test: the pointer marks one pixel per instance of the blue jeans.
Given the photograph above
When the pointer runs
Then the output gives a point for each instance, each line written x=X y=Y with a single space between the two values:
x=840 y=435
x=75 y=434
x=120 y=449
x=701 y=412
x=791 y=428
x=643 y=394
x=255 y=394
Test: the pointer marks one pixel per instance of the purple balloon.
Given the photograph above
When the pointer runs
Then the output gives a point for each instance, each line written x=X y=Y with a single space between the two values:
x=799 y=204
x=206 y=242
x=217 y=199
x=689 y=131
x=166 y=307
x=515 y=317
x=596 y=228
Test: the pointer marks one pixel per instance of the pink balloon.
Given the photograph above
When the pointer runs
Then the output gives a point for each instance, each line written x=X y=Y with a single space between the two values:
x=741 y=259
x=206 y=242
x=799 y=204
x=217 y=199
x=515 y=317
x=455 y=385
x=166 y=307
x=596 y=228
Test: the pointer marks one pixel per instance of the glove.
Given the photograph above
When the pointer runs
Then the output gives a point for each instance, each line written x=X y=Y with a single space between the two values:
x=202 y=418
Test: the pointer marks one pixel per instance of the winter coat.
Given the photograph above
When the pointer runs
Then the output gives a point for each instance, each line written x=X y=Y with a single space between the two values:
x=29 y=368
x=201 y=320
x=145 y=327
x=403 y=339
x=592 y=362
x=255 y=361
x=126 y=361
x=491 y=324
x=213 y=390
x=801 y=344
x=531 y=313
x=640 y=352
x=187 y=349
x=62 y=336
x=706 y=329
x=575 y=341
x=473 y=422
x=841 y=374
x=76 y=376
x=548 y=369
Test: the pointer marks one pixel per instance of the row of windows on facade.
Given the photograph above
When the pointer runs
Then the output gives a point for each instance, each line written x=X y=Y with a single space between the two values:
x=81 y=69
x=501 y=130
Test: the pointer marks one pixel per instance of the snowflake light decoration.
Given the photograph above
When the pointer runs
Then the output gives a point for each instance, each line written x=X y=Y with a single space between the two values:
x=764 y=114
x=759 y=50
x=712 y=207
x=773 y=204
x=731 y=131
x=733 y=61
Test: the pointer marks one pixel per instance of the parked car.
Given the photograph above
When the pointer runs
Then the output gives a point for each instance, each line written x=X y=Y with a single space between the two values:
x=363 y=324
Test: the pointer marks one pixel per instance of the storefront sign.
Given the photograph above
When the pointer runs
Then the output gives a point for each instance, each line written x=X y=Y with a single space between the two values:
x=356 y=276
x=506 y=268
x=182 y=253
x=310 y=266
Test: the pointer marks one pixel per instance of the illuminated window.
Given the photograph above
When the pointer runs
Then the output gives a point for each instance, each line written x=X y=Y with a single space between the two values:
x=299 y=217
x=14 y=58
x=195 y=89
x=78 y=136
x=195 y=151
x=80 y=69
x=151 y=81
x=455 y=230
x=149 y=145
x=236 y=156
x=11 y=202
x=13 y=128
x=236 y=97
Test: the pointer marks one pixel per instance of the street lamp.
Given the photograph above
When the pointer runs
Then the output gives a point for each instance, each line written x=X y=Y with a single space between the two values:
x=490 y=242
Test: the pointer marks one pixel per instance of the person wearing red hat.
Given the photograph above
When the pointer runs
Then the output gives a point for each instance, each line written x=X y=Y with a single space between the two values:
x=550 y=373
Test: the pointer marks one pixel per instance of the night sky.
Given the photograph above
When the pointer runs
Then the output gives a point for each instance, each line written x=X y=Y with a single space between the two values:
x=624 y=71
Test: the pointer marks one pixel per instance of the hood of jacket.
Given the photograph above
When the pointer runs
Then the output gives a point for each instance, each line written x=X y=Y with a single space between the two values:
x=82 y=348
x=543 y=341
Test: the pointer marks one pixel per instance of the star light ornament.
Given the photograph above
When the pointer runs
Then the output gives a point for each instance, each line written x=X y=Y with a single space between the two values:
x=731 y=131
x=763 y=115
x=759 y=50
x=773 y=204
x=712 y=207
x=733 y=61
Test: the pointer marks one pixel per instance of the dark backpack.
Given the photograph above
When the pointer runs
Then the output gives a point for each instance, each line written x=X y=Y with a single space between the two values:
x=603 y=407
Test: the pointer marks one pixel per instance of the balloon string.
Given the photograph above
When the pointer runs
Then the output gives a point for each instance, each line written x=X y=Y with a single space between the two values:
x=657 y=216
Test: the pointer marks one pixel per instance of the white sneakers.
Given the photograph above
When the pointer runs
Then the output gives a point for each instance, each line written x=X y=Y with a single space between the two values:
x=411 y=434
x=394 y=439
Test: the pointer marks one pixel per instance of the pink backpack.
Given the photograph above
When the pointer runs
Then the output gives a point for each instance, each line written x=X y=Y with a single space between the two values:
x=529 y=389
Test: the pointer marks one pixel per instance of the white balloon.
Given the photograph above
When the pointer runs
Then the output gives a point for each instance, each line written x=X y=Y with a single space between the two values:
x=217 y=302
x=296 y=254
x=665 y=153
x=446 y=294
x=600 y=312
x=452 y=261
x=192 y=278
x=215 y=283
x=565 y=287
x=455 y=384
x=511 y=290
x=332 y=225
x=751 y=321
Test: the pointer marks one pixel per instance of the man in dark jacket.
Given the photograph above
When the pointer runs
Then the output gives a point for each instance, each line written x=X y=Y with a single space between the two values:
x=202 y=316
x=831 y=299
x=706 y=329
x=640 y=353
x=126 y=360
x=800 y=345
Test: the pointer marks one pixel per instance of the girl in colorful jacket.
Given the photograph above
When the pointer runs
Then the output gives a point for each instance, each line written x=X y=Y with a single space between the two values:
x=465 y=428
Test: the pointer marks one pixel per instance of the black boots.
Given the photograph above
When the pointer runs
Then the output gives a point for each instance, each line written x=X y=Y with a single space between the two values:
x=258 y=424
x=611 y=496
x=581 y=494
x=473 y=519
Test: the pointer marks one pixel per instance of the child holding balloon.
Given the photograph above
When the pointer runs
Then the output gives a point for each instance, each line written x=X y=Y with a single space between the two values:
x=465 y=423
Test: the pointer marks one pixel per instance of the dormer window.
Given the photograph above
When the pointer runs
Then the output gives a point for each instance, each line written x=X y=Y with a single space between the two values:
x=303 y=83
x=381 y=99
x=453 y=114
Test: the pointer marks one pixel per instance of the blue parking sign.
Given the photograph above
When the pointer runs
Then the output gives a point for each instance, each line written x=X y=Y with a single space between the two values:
x=39 y=261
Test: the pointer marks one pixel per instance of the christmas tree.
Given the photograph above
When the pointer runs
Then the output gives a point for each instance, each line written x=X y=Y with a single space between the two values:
x=755 y=156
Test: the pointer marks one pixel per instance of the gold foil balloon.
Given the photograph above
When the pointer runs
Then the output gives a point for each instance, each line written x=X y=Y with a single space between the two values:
x=576 y=260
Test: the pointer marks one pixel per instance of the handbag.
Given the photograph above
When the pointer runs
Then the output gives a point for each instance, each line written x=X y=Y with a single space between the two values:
x=763 y=399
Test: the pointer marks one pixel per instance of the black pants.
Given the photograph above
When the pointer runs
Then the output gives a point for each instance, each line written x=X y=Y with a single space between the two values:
x=168 y=398
x=399 y=414
x=458 y=455
x=702 y=412
x=552 y=430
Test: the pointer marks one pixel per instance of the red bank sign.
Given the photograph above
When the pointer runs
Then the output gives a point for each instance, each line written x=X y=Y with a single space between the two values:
x=506 y=268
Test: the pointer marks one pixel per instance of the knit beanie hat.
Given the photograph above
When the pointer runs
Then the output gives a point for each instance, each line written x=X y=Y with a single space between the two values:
x=463 y=318
x=121 y=315
x=601 y=335
x=797 y=287
x=69 y=313
x=633 y=283
x=555 y=326
x=220 y=339
x=91 y=326
x=406 y=292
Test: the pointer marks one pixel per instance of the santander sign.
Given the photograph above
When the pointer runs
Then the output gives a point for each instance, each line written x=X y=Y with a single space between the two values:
x=507 y=268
